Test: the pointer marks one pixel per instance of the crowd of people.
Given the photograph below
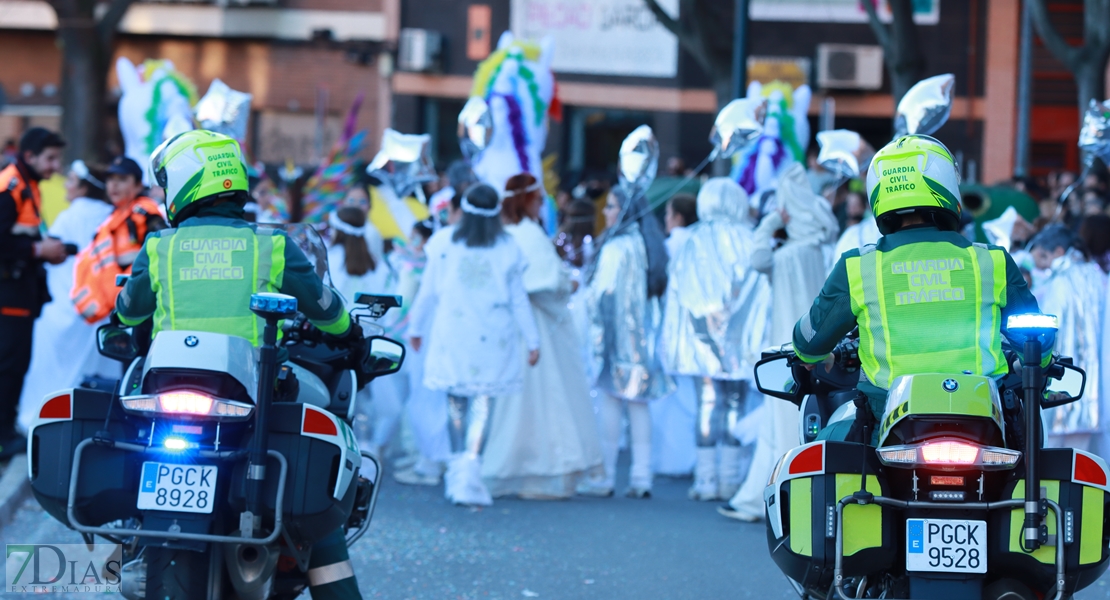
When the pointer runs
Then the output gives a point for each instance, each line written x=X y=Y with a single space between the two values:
x=532 y=359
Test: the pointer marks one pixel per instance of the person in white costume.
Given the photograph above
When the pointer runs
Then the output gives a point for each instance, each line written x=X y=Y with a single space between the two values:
x=674 y=451
x=473 y=306
x=622 y=300
x=543 y=440
x=713 y=328
x=356 y=267
x=64 y=347
x=798 y=270
x=1073 y=289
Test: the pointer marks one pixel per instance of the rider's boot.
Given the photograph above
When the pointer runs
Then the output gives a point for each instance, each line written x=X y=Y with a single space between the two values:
x=330 y=576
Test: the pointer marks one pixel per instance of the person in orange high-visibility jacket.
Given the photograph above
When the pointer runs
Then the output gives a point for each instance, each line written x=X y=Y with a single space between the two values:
x=23 y=250
x=117 y=243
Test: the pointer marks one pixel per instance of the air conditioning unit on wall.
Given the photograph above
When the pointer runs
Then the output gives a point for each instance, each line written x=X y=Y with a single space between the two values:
x=420 y=50
x=849 y=66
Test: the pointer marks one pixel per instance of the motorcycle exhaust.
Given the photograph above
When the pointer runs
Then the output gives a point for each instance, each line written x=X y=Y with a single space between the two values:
x=251 y=569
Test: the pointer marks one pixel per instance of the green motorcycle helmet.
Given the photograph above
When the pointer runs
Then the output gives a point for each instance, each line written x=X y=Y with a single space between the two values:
x=196 y=167
x=914 y=174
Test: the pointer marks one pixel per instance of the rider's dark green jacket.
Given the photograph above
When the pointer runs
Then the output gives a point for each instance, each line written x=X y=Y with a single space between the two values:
x=200 y=276
x=925 y=300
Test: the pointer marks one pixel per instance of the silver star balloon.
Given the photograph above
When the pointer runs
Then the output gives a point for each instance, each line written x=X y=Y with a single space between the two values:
x=224 y=110
x=738 y=124
x=638 y=161
x=475 y=127
x=1094 y=136
x=403 y=162
x=926 y=106
x=840 y=152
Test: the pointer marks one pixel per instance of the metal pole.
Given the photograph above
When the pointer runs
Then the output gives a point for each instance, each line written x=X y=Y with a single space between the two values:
x=1025 y=92
x=740 y=50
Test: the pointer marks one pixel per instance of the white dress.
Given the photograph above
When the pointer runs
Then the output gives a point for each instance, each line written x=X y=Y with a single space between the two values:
x=473 y=309
x=544 y=439
x=64 y=347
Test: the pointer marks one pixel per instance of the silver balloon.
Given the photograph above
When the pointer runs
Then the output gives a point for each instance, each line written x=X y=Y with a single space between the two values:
x=926 y=106
x=738 y=124
x=224 y=110
x=475 y=127
x=1094 y=137
x=403 y=162
x=639 y=160
x=840 y=152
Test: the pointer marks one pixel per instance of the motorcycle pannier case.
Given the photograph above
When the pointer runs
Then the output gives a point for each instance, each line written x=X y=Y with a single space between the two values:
x=801 y=511
x=108 y=480
x=1077 y=481
x=323 y=460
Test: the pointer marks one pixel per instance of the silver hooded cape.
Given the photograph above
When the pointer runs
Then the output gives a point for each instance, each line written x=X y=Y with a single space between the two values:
x=624 y=322
x=717 y=305
x=1074 y=292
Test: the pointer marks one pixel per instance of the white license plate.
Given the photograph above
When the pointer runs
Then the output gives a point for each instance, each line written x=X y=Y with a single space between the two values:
x=946 y=545
x=177 y=488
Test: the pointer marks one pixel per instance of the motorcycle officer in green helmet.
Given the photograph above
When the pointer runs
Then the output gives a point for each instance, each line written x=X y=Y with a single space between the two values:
x=205 y=184
x=924 y=297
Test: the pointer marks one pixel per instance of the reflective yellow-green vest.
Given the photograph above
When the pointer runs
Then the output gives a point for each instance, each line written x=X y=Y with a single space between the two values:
x=928 y=307
x=203 y=278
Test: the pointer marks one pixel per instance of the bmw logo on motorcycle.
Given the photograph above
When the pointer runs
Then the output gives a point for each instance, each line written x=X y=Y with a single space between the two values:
x=949 y=385
x=192 y=341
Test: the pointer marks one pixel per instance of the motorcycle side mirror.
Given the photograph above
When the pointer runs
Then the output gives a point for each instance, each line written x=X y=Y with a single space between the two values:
x=774 y=376
x=386 y=356
x=116 y=343
x=1066 y=383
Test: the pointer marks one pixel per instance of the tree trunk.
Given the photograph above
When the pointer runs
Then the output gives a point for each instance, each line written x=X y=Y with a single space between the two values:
x=1090 y=82
x=84 y=74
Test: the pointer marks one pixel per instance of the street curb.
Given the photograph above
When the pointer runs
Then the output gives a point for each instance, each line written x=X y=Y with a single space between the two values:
x=15 y=487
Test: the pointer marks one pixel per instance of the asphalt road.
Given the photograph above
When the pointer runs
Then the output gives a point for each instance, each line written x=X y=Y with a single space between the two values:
x=419 y=546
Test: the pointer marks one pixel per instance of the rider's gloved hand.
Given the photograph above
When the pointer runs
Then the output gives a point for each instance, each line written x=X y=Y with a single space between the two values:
x=360 y=350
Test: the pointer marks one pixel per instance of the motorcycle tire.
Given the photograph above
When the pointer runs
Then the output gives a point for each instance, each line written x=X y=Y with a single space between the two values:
x=176 y=574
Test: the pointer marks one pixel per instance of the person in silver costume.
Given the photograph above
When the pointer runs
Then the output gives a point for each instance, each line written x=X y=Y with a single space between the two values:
x=1073 y=291
x=622 y=300
x=715 y=319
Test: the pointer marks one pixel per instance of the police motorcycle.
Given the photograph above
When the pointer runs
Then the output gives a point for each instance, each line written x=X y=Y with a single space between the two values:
x=959 y=499
x=214 y=485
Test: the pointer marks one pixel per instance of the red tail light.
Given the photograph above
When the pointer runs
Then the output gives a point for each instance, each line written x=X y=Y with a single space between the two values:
x=185 y=403
x=317 y=422
x=949 y=453
x=58 y=407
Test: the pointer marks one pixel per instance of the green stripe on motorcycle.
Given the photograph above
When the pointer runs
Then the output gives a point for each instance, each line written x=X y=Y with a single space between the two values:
x=863 y=525
x=801 y=516
x=1044 y=554
x=1090 y=529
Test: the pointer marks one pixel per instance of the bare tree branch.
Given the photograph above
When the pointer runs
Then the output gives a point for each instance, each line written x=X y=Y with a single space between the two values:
x=877 y=26
x=664 y=19
x=1052 y=39
x=693 y=43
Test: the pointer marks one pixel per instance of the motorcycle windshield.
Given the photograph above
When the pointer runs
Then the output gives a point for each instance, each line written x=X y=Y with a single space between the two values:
x=309 y=241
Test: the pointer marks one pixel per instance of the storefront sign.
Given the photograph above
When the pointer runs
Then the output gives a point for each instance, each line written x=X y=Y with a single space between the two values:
x=601 y=37
x=925 y=12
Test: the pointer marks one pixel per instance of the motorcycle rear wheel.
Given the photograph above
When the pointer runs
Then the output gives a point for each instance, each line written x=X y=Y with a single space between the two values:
x=176 y=574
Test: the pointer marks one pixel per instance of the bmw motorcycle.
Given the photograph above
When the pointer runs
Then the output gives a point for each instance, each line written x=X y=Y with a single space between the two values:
x=216 y=485
x=959 y=499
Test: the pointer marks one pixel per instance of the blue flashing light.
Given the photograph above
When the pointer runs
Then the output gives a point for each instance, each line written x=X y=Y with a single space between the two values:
x=176 y=444
x=1032 y=324
x=268 y=302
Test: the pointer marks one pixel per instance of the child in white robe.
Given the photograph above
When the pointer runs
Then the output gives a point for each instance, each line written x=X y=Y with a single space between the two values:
x=473 y=305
